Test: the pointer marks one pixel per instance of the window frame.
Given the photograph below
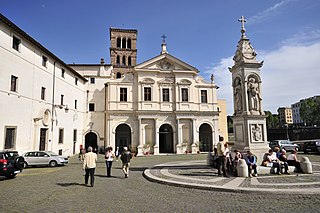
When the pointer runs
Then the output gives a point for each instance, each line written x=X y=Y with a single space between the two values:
x=45 y=61
x=204 y=96
x=123 y=94
x=12 y=141
x=92 y=80
x=147 y=91
x=61 y=136
x=43 y=93
x=14 y=83
x=166 y=95
x=16 y=43
x=184 y=95
x=91 y=107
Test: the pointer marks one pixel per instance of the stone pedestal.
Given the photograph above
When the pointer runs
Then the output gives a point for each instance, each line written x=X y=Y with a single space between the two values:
x=139 y=150
x=156 y=150
x=306 y=166
x=242 y=168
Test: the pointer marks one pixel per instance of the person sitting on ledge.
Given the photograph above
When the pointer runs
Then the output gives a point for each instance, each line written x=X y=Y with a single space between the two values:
x=251 y=160
x=293 y=161
x=273 y=161
x=283 y=159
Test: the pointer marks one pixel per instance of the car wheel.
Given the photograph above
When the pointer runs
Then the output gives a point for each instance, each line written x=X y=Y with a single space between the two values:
x=10 y=175
x=25 y=165
x=53 y=163
x=19 y=163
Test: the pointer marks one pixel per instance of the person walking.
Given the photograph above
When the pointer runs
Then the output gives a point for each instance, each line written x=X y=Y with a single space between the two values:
x=222 y=162
x=125 y=158
x=89 y=165
x=109 y=155
x=117 y=153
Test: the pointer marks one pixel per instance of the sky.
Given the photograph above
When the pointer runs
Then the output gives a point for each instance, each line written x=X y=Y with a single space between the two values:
x=203 y=33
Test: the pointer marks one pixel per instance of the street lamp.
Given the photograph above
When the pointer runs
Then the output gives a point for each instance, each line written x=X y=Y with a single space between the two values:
x=287 y=126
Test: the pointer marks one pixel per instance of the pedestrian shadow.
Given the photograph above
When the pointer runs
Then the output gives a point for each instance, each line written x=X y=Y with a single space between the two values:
x=71 y=184
x=104 y=176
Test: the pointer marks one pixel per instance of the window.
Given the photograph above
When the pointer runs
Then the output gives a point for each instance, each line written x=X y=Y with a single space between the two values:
x=147 y=94
x=10 y=138
x=76 y=81
x=92 y=80
x=124 y=43
x=123 y=94
x=44 y=61
x=129 y=61
x=14 y=83
x=16 y=43
x=123 y=60
x=119 y=75
x=204 y=96
x=184 y=95
x=74 y=135
x=119 y=42
x=75 y=104
x=118 y=60
x=165 y=95
x=91 y=107
x=61 y=99
x=43 y=93
x=129 y=43
x=61 y=135
x=62 y=72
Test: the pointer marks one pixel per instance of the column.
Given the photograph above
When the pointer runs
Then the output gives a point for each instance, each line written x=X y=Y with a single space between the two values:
x=156 y=135
x=194 y=145
x=140 y=146
x=179 y=144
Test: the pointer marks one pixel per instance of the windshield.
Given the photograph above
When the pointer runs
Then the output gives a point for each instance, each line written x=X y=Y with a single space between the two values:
x=52 y=153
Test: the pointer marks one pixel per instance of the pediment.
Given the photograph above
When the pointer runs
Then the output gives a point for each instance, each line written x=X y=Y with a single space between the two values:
x=185 y=82
x=165 y=62
x=166 y=80
x=147 y=81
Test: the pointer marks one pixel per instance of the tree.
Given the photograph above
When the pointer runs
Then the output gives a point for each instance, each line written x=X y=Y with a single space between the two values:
x=310 y=111
x=272 y=120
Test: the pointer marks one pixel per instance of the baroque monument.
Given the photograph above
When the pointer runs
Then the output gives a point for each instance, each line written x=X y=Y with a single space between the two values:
x=249 y=120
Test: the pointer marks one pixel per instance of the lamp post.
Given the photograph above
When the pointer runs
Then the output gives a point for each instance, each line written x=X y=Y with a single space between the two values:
x=287 y=126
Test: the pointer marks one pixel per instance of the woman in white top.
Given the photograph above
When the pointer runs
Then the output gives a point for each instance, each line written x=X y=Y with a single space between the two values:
x=109 y=159
x=293 y=161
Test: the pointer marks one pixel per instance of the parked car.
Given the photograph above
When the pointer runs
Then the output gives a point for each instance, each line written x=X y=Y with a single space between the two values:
x=10 y=163
x=44 y=158
x=284 y=144
x=311 y=146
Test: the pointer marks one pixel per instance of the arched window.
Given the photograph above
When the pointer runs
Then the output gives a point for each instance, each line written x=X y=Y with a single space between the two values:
x=124 y=43
x=119 y=42
x=118 y=75
x=118 y=60
x=123 y=60
x=129 y=61
x=129 y=43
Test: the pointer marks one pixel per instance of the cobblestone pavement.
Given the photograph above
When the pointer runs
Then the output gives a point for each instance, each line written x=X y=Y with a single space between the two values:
x=61 y=189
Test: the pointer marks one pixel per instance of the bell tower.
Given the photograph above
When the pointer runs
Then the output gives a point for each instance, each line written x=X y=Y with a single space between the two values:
x=249 y=120
x=123 y=50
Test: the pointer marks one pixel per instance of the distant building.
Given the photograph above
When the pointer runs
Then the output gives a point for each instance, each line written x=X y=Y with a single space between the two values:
x=162 y=103
x=285 y=116
x=297 y=120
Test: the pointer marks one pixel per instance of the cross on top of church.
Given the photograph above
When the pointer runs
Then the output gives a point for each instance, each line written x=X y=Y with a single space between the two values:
x=163 y=38
x=242 y=20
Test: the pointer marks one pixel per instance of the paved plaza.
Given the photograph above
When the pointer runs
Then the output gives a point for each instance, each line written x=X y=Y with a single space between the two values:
x=61 y=189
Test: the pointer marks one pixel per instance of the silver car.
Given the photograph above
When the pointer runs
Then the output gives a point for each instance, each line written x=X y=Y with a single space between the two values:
x=43 y=158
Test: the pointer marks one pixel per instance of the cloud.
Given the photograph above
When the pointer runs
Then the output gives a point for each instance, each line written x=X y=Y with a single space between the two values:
x=290 y=73
x=267 y=13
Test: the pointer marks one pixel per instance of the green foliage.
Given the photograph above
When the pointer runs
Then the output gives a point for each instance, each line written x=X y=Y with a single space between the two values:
x=272 y=120
x=310 y=111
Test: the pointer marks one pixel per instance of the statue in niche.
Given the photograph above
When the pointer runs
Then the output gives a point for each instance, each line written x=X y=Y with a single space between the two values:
x=253 y=95
x=257 y=133
x=238 y=95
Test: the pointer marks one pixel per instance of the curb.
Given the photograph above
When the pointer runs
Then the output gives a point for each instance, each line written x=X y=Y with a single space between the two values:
x=147 y=174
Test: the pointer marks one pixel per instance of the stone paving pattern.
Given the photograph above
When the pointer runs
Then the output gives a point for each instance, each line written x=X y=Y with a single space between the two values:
x=61 y=189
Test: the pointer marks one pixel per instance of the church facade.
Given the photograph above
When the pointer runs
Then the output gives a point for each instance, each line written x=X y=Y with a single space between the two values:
x=158 y=106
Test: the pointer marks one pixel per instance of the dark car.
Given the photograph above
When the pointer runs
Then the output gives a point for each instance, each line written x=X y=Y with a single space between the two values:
x=311 y=146
x=10 y=163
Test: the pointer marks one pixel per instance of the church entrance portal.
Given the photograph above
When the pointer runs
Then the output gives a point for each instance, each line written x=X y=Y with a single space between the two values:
x=91 y=140
x=123 y=137
x=205 y=138
x=165 y=139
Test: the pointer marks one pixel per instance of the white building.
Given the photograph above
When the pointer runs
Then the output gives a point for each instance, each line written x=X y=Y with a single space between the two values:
x=160 y=106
